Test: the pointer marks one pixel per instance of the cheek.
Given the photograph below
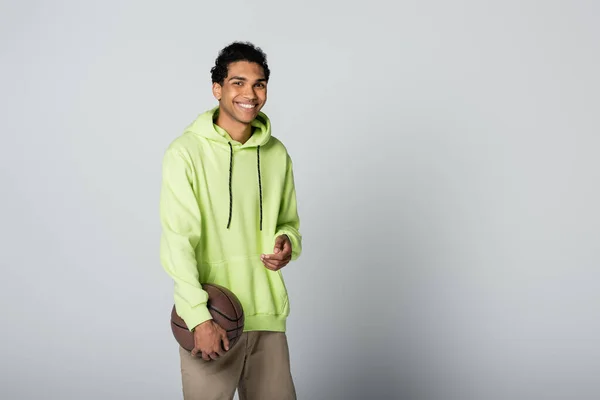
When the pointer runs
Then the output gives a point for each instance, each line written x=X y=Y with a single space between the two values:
x=233 y=93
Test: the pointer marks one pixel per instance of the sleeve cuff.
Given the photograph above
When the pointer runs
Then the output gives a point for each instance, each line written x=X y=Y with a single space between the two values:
x=196 y=316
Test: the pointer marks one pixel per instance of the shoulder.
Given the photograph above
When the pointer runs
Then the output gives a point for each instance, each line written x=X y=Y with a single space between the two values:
x=278 y=156
x=184 y=143
x=276 y=146
x=184 y=146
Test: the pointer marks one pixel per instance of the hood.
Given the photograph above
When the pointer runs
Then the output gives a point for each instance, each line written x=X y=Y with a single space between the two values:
x=204 y=126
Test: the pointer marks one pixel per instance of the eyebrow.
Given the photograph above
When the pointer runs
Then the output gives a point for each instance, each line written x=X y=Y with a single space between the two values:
x=241 y=78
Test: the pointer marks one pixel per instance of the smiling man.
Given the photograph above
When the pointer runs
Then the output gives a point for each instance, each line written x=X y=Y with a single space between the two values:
x=229 y=216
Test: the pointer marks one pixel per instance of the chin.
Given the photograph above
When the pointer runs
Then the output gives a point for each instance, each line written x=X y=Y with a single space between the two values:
x=247 y=118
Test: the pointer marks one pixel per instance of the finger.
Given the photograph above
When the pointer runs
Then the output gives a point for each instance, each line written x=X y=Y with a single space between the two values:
x=277 y=260
x=271 y=267
x=214 y=356
x=272 y=260
x=276 y=257
x=275 y=266
x=195 y=351
x=219 y=351
x=271 y=264
x=205 y=356
x=225 y=341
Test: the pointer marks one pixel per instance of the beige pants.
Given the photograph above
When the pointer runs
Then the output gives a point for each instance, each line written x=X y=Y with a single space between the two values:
x=258 y=366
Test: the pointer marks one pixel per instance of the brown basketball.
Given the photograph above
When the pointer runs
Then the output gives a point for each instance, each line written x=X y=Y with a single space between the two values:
x=226 y=311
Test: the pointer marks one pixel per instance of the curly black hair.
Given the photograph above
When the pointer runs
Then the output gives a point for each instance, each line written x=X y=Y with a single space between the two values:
x=238 y=51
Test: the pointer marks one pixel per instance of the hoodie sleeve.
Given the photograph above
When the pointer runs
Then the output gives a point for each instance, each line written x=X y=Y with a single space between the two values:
x=180 y=221
x=288 y=222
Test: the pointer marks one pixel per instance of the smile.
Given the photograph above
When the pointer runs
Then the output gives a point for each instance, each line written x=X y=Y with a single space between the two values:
x=246 y=106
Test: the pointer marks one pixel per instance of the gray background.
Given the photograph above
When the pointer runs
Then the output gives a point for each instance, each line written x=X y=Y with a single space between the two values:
x=446 y=160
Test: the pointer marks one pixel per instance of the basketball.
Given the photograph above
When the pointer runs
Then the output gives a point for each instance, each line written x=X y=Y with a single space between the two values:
x=225 y=309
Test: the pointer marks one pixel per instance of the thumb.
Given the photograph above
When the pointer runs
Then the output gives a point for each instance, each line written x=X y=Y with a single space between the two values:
x=278 y=244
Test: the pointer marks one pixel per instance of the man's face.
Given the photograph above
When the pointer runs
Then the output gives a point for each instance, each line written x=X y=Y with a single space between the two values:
x=243 y=93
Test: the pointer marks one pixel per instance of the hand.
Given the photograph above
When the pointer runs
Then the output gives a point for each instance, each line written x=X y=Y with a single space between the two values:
x=207 y=340
x=282 y=254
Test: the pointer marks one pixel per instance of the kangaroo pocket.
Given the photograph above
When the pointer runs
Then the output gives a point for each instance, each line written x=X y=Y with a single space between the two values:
x=260 y=290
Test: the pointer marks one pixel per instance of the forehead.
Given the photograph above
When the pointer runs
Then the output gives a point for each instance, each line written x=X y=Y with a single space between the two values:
x=245 y=69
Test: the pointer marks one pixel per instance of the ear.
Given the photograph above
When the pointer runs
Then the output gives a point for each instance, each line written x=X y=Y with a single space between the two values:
x=216 y=89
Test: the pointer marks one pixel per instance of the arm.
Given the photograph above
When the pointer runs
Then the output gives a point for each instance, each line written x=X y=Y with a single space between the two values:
x=288 y=222
x=180 y=220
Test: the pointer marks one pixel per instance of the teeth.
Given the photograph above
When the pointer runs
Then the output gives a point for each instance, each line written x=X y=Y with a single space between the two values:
x=247 y=105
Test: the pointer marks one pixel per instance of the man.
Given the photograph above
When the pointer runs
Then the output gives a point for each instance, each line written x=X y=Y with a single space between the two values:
x=229 y=216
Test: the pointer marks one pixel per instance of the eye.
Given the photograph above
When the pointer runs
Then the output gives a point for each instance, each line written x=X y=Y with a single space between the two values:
x=238 y=83
x=260 y=85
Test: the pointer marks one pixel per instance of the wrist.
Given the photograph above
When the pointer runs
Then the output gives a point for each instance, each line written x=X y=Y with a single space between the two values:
x=200 y=325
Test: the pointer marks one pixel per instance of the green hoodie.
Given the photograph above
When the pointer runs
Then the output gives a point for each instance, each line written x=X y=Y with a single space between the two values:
x=222 y=204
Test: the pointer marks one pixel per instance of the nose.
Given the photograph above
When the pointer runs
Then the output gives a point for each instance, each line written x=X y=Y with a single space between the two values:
x=249 y=92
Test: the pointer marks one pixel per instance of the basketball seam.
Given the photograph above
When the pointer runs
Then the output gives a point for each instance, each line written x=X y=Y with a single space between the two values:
x=232 y=305
x=223 y=315
x=179 y=326
x=187 y=330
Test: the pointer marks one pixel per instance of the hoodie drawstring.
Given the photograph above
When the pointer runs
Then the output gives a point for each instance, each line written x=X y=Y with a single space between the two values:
x=230 y=191
x=259 y=184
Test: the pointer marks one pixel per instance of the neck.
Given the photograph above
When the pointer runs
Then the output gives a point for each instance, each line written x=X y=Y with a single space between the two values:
x=238 y=131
